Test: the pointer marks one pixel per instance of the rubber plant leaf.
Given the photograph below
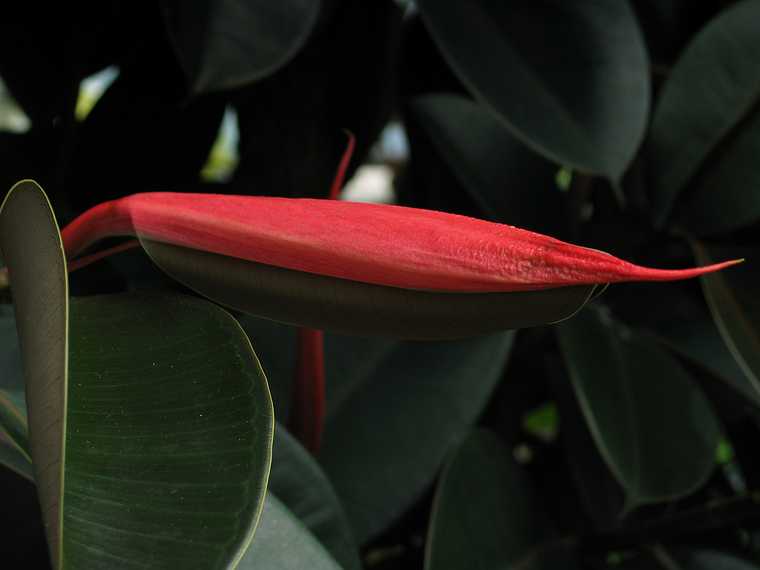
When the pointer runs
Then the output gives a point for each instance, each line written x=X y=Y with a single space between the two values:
x=360 y=267
x=101 y=375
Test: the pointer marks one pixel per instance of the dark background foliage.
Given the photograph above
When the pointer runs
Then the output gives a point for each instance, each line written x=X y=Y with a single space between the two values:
x=623 y=438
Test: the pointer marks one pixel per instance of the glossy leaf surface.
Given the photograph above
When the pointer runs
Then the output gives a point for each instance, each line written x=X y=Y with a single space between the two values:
x=627 y=388
x=37 y=267
x=507 y=181
x=485 y=513
x=169 y=433
x=224 y=44
x=426 y=395
x=570 y=79
x=343 y=305
x=299 y=482
x=703 y=144
x=736 y=311
x=283 y=542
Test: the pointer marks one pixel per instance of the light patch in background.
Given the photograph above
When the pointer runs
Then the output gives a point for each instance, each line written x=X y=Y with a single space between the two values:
x=371 y=183
x=223 y=158
x=92 y=88
x=392 y=146
x=564 y=178
x=12 y=117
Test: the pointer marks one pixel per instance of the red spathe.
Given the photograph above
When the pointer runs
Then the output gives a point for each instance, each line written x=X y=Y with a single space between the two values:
x=371 y=243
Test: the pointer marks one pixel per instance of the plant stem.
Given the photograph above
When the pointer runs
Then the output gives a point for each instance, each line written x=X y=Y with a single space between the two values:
x=308 y=418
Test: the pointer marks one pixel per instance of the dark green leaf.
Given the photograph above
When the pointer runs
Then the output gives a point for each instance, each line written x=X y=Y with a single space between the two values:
x=169 y=433
x=299 y=482
x=570 y=78
x=600 y=494
x=703 y=145
x=36 y=264
x=224 y=44
x=323 y=302
x=733 y=302
x=678 y=317
x=392 y=423
x=508 y=182
x=485 y=513
x=161 y=441
x=653 y=426
x=284 y=543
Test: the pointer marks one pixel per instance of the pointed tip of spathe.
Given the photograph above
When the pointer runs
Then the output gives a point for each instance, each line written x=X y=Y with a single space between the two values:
x=718 y=266
x=676 y=274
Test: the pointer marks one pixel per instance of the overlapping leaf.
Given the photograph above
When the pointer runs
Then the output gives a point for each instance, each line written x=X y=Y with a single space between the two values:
x=224 y=44
x=735 y=309
x=283 y=542
x=486 y=513
x=150 y=419
x=570 y=79
x=424 y=395
x=507 y=181
x=628 y=388
x=302 y=486
x=703 y=144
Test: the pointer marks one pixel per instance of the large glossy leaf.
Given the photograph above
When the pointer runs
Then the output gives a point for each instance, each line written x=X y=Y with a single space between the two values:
x=485 y=512
x=734 y=306
x=678 y=317
x=150 y=432
x=570 y=78
x=390 y=424
x=631 y=391
x=283 y=542
x=600 y=494
x=323 y=302
x=508 y=182
x=143 y=365
x=703 y=143
x=299 y=482
x=224 y=44
x=37 y=269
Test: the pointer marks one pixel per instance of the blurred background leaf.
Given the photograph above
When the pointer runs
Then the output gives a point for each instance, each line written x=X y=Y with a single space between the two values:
x=560 y=75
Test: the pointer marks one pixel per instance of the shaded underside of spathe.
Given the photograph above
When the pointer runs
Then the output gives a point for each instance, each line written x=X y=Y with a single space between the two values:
x=378 y=244
x=340 y=305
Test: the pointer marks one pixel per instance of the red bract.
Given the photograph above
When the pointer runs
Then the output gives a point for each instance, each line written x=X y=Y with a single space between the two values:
x=371 y=243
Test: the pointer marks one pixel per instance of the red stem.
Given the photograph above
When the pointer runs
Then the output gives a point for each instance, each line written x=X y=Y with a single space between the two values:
x=308 y=417
x=342 y=167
